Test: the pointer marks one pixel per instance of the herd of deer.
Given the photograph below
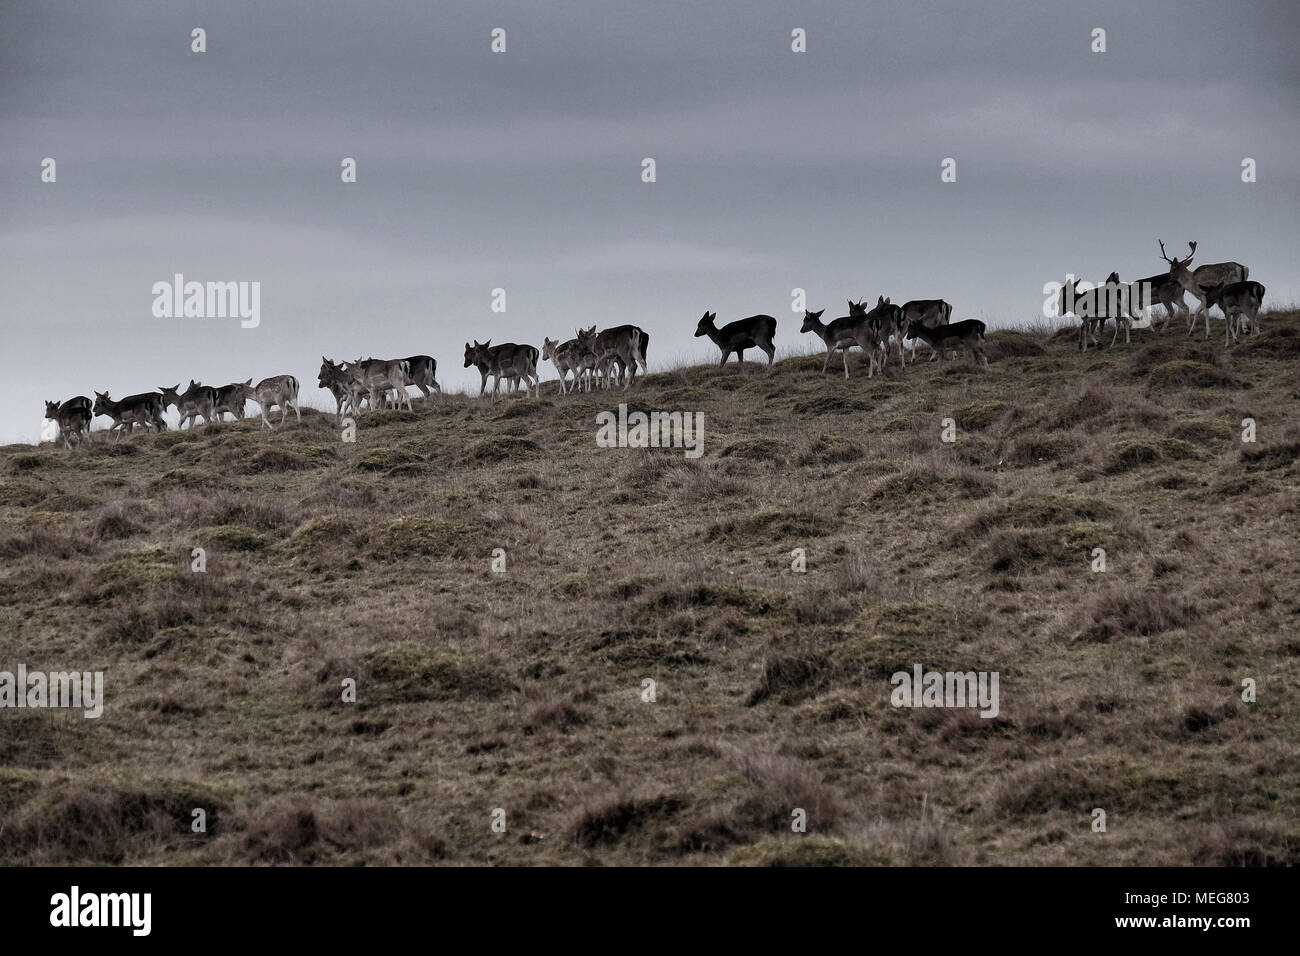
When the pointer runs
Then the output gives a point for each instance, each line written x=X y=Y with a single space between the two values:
x=1225 y=284
x=613 y=356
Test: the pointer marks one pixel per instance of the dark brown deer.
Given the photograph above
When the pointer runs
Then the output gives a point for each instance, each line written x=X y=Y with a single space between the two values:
x=929 y=312
x=1240 y=302
x=622 y=346
x=333 y=377
x=883 y=320
x=967 y=334
x=145 y=409
x=508 y=360
x=757 y=331
x=421 y=372
x=231 y=399
x=73 y=418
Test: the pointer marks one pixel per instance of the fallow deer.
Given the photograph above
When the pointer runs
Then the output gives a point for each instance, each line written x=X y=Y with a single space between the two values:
x=145 y=409
x=757 y=331
x=231 y=399
x=967 y=334
x=196 y=400
x=1240 y=302
x=279 y=390
x=508 y=360
x=1197 y=280
x=72 y=417
x=929 y=312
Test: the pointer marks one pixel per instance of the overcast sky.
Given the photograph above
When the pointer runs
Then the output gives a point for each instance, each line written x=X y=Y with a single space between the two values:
x=522 y=170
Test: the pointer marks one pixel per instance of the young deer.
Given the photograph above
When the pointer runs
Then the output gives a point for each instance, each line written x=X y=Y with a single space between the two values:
x=967 y=334
x=231 y=398
x=508 y=360
x=279 y=390
x=566 y=357
x=1093 y=307
x=836 y=334
x=621 y=349
x=883 y=320
x=757 y=331
x=422 y=371
x=336 y=379
x=144 y=409
x=1240 y=302
x=73 y=418
x=931 y=313
x=196 y=400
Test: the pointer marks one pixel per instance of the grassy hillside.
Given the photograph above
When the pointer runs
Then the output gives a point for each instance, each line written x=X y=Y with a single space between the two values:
x=522 y=690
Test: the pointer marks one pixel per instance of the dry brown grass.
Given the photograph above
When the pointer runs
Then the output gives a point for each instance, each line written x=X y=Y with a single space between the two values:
x=523 y=690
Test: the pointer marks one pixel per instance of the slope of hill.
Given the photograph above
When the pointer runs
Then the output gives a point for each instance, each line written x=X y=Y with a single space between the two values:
x=524 y=690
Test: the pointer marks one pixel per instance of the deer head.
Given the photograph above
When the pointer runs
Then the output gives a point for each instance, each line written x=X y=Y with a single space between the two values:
x=811 y=320
x=1178 y=267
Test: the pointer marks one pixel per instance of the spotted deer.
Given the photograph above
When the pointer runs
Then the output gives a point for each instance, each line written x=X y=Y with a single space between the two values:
x=196 y=400
x=839 y=334
x=279 y=390
x=377 y=377
x=566 y=357
x=1196 y=281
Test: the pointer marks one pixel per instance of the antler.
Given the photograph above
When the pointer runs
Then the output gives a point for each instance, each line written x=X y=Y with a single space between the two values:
x=1163 y=255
